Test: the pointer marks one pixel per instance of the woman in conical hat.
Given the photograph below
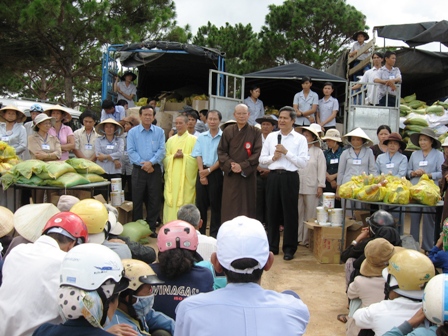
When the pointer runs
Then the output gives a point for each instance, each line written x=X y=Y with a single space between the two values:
x=357 y=159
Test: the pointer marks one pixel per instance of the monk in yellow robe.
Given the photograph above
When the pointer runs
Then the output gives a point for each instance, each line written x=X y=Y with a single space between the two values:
x=180 y=171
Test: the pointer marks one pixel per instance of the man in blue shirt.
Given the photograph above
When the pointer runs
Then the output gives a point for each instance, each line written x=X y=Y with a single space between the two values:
x=209 y=181
x=146 y=150
x=243 y=307
x=110 y=110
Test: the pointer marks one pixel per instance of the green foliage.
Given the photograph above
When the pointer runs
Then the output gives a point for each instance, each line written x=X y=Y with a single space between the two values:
x=305 y=31
x=62 y=41
x=238 y=42
x=310 y=32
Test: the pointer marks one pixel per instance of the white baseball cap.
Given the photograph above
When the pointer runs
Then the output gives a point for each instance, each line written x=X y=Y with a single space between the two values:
x=242 y=237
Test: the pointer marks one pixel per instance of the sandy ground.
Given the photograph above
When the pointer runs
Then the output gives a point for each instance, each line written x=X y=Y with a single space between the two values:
x=320 y=286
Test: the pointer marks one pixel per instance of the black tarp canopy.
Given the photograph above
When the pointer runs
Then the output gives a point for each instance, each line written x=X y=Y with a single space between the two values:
x=167 y=66
x=416 y=34
x=280 y=84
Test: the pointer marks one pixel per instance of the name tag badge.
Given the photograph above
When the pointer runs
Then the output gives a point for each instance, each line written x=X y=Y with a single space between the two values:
x=88 y=146
x=391 y=77
x=5 y=138
x=334 y=161
x=357 y=162
x=45 y=147
x=390 y=165
x=423 y=163
x=110 y=146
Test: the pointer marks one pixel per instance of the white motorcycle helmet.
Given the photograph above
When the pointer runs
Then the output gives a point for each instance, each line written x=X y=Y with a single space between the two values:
x=435 y=299
x=89 y=266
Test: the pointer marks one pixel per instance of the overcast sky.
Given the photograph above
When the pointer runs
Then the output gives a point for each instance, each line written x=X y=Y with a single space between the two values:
x=198 y=12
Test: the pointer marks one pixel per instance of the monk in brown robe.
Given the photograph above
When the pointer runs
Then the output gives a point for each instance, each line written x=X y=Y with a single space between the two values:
x=238 y=154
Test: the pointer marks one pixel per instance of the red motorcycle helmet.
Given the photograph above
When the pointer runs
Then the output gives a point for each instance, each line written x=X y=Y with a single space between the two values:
x=70 y=223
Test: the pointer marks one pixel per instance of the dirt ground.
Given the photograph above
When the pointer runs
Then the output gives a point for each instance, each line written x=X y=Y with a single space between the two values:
x=320 y=286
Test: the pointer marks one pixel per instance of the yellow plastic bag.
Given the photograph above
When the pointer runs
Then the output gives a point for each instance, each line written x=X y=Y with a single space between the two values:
x=397 y=193
x=349 y=189
x=425 y=191
x=372 y=193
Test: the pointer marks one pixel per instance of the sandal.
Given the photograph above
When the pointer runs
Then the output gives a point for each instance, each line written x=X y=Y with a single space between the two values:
x=342 y=318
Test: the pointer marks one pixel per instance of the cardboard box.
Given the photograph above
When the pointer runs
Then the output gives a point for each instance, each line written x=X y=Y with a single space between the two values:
x=172 y=106
x=325 y=241
x=125 y=212
x=200 y=105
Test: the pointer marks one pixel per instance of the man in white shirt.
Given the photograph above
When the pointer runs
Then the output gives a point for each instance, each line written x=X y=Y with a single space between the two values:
x=388 y=75
x=284 y=152
x=368 y=77
x=206 y=245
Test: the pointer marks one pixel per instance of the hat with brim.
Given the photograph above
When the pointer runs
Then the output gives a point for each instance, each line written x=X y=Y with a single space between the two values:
x=6 y=221
x=66 y=202
x=97 y=238
x=267 y=118
x=41 y=118
x=332 y=134
x=127 y=73
x=378 y=252
x=66 y=116
x=227 y=123
x=21 y=117
x=118 y=129
x=30 y=219
x=316 y=129
x=355 y=35
x=131 y=119
x=445 y=142
x=116 y=228
x=429 y=133
x=396 y=137
x=357 y=132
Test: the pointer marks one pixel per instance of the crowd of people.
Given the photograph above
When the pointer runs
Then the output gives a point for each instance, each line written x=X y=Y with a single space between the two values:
x=70 y=271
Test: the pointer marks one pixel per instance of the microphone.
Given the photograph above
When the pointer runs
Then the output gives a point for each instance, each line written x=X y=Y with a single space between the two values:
x=279 y=139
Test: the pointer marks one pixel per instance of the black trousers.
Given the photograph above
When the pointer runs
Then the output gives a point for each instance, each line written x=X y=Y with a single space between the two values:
x=210 y=196
x=390 y=101
x=282 y=195
x=261 y=199
x=146 y=188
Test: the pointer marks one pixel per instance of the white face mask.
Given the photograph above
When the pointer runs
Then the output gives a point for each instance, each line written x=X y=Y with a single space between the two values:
x=143 y=305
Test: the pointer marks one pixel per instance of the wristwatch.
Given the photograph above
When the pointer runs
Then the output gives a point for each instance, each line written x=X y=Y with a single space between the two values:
x=354 y=242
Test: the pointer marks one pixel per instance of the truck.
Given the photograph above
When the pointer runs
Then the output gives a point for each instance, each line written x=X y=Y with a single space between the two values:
x=185 y=69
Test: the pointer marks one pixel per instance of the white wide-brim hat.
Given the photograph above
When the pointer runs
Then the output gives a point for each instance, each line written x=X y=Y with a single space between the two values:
x=316 y=129
x=30 y=219
x=6 y=221
x=66 y=116
x=41 y=118
x=21 y=117
x=358 y=132
x=332 y=134
x=118 y=128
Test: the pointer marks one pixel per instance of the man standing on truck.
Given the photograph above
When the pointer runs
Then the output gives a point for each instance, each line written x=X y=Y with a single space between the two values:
x=146 y=150
x=369 y=77
x=238 y=154
x=388 y=75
